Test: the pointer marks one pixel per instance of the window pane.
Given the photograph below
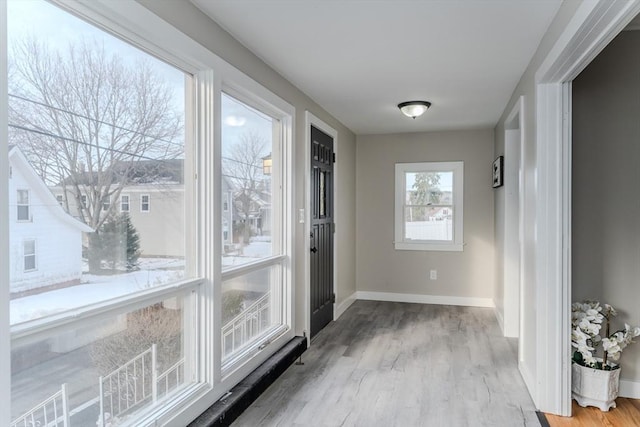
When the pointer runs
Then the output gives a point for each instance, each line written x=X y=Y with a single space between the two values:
x=250 y=308
x=429 y=188
x=100 y=118
x=23 y=197
x=428 y=223
x=247 y=144
x=107 y=362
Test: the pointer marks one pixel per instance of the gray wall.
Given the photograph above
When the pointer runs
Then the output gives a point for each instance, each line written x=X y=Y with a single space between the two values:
x=380 y=268
x=606 y=196
x=186 y=17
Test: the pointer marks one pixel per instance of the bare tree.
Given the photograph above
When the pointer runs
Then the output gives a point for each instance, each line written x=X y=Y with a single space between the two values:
x=243 y=168
x=85 y=118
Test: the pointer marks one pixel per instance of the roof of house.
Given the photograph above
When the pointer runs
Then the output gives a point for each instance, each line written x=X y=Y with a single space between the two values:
x=168 y=171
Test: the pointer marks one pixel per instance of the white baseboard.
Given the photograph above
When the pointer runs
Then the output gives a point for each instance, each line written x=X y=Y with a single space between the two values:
x=629 y=389
x=425 y=299
x=343 y=306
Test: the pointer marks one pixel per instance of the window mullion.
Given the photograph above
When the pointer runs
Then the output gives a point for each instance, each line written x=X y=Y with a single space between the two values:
x=5 y=343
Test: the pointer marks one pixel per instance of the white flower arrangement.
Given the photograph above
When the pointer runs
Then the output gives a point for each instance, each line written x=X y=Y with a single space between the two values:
x=587 y=320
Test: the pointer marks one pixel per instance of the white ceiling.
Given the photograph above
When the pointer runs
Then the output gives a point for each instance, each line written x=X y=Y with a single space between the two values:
x=359 y=58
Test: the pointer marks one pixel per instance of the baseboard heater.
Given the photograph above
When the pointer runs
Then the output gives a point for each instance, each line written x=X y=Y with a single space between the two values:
x=224 y=412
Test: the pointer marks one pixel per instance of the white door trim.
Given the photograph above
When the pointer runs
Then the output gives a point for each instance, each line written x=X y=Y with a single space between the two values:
x=593 y=26
x=309 y=120
x=513 y=170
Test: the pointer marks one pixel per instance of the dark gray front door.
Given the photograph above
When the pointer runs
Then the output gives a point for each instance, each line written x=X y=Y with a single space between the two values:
x=322 y=297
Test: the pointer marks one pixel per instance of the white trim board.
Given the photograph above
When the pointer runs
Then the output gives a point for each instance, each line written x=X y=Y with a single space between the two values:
x=425 y=299
x=593 y=25
x=344 y=305
x=629 y=389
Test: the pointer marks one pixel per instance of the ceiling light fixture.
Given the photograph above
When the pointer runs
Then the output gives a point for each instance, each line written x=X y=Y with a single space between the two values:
x=414 y=109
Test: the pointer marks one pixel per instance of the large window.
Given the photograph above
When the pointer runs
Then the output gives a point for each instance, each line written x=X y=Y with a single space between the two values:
x=252 y=258
x=99 y=312
x=134 y=315
x=428 y=211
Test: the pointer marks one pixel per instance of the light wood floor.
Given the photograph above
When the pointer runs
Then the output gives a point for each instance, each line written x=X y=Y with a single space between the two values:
x=405 y=365
x=627 y=414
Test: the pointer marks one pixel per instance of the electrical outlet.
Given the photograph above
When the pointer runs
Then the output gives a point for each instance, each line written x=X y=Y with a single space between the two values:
x=433 y=274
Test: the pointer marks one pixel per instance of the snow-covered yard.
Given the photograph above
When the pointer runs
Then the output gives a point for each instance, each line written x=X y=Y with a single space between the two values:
x=100 y=288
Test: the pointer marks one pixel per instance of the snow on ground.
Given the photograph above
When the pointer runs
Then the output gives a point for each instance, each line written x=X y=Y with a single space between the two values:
x=100 y=288
x=258 y=248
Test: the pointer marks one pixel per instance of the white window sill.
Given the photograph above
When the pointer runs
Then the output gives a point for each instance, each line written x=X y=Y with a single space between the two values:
x=429 y=246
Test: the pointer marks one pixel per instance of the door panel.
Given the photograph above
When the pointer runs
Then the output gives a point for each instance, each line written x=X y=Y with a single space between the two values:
x=321 y=238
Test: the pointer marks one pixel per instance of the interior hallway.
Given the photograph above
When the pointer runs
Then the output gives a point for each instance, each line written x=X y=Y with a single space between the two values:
x=396 y=364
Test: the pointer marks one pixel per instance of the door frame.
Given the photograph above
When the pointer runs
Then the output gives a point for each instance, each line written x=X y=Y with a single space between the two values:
x=594 y=24
x=304 y=215
x=513 y=298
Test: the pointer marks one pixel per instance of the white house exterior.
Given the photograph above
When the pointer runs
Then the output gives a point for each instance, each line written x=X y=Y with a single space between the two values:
x=39 y=258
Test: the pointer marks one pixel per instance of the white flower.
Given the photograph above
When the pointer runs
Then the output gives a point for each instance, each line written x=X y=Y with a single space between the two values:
x=587 y=320
x=610 y=310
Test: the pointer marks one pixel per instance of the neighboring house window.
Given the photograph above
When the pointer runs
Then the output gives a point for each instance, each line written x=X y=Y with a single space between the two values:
x=23 y=205
x=106 y=203
x=124 y=203
x=428 y=206
x=226 y=206
x=83 y=201
x=60 y=199
x=144 y=203
x=29 y=250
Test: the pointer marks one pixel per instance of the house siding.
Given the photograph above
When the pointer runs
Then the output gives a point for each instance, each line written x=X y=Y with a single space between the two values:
x=58 y=259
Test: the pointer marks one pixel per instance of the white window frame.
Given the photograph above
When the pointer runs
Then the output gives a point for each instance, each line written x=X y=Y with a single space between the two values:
x=34 y=255
x=131 y=21
x=457 y=243
x=106 y=203
x=19 y=205
x=282 y=203
x=142 y=203
x=122 y=203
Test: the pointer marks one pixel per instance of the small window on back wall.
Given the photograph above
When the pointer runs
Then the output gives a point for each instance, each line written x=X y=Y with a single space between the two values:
x=145 y=203
x=428 y=207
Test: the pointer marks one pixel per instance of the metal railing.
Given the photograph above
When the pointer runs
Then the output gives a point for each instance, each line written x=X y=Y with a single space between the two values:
x=128 y=386
x=247 y=325
x=135 y=383
x=170 y=379
x=53 y=412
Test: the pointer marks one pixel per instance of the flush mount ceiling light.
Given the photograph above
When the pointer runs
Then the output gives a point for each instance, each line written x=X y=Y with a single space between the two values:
x=414 y=109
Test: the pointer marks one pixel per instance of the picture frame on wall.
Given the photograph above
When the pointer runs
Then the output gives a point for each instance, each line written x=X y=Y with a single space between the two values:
x=497 y=172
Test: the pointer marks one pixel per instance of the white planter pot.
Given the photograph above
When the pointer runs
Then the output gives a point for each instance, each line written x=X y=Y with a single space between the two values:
x=593 y=387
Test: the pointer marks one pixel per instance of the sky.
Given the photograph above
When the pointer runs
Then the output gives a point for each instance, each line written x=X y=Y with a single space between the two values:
x=58 y=28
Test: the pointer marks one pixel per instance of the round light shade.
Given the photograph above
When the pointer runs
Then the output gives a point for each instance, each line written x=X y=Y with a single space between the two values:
x=414 y=109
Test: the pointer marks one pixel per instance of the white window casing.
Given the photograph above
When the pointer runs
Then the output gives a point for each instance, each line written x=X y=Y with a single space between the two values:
x=451 y=206
x=132 y=21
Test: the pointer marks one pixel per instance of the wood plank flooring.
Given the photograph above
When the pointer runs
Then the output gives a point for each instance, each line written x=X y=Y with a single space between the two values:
x=627 y=414
x=395 y=364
